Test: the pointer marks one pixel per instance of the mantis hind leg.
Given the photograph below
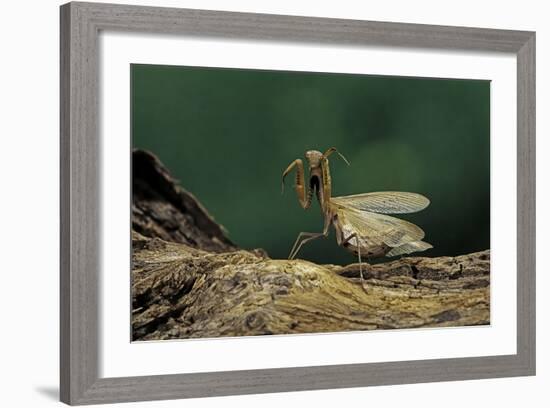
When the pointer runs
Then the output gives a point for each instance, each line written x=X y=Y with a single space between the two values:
x=343 y=242
x=363 y=284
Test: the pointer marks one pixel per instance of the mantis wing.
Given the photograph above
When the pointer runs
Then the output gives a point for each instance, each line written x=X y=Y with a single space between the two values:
x=377 y=229
x=409 y=247
x=386 y=202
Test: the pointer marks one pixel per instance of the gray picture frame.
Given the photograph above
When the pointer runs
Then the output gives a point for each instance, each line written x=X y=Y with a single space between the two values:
x=81 y=24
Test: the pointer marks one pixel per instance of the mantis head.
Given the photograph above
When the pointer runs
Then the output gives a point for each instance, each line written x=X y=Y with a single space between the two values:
x=315 y=160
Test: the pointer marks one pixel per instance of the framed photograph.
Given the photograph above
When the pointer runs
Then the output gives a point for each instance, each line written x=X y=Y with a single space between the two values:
x=258 y=203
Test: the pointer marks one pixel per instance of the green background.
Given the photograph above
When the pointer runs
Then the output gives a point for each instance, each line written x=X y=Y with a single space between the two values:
x=228 y=134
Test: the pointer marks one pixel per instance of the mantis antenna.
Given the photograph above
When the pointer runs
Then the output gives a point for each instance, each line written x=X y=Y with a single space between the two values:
x=333 y=150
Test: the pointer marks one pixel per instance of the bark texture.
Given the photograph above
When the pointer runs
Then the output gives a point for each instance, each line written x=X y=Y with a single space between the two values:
x=189 y=280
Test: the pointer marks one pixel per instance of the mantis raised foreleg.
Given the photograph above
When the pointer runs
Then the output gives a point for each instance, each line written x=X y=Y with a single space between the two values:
x=304 y=197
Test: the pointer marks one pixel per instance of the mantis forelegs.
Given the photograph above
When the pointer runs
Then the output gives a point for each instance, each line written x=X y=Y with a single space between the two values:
x=303 y=196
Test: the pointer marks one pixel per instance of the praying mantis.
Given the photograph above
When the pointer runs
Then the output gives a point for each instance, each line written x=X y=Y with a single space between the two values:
x=360 y=221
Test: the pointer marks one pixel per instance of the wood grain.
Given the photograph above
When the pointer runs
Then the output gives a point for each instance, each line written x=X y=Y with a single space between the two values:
x=180 y=292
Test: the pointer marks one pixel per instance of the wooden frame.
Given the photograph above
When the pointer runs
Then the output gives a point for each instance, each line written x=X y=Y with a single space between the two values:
x=80 y=26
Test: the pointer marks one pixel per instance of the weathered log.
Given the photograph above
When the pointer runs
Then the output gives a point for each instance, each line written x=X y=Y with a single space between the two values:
x=181 y=292
x=189 y=280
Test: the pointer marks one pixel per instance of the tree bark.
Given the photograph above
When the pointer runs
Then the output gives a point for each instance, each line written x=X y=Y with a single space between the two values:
x=189 y=280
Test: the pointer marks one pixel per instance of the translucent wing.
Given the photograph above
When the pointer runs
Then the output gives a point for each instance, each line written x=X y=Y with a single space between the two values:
x=377 y=229
x=385 y=202
x=409 y=247
x=380 y=231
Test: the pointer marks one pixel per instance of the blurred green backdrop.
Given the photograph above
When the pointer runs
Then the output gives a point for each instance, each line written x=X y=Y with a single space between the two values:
x=228 y=134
